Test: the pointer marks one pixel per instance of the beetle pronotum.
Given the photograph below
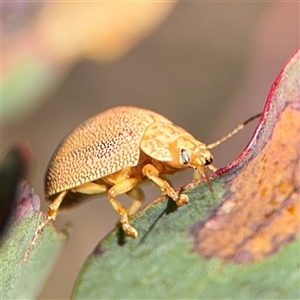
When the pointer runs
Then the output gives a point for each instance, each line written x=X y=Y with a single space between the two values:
x=115 y=150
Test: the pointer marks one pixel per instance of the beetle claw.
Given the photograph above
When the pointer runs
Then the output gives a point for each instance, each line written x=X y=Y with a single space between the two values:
x=182 y=200
x=51 y=213
x=130 y=231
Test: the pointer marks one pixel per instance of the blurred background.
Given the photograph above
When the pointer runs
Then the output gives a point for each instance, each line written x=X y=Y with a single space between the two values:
x=206 y=66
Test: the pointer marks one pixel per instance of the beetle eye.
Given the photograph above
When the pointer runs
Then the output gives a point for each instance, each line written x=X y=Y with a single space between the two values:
x=185 y=156
x=208 y=161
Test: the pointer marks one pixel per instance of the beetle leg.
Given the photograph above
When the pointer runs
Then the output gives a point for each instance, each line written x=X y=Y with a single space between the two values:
x=51 y=215
x=153 y=174
x=213 y=168
x=118 y=189
x=196 y=175
x=54 y=206
x=138 y=196
x=90 y=188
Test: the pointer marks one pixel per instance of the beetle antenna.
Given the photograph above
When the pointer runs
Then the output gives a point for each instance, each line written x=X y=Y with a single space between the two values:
x=233 y=132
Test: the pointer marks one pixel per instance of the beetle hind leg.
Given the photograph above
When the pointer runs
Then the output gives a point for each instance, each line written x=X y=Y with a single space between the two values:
x=54 y=206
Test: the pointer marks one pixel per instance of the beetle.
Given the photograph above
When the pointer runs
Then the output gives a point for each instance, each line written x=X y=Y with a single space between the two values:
x=113 y=151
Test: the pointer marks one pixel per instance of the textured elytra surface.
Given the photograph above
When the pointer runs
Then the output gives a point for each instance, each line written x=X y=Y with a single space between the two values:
x=102 y=145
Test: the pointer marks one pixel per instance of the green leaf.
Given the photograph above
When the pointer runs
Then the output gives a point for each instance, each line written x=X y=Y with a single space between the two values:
x=240 y=243
x=23 y=279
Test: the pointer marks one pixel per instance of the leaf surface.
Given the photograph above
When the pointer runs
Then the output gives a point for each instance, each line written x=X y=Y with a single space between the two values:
x=241 y=243
x=23 y=279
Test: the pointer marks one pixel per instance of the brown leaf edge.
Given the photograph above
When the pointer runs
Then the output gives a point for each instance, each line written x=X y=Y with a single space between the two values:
x=259 y=211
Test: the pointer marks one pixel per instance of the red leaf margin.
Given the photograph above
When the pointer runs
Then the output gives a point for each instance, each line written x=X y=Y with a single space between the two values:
x=257 y=140
x=259 y=211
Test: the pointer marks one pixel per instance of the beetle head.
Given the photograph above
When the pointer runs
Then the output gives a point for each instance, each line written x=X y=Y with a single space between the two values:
x=186 y=152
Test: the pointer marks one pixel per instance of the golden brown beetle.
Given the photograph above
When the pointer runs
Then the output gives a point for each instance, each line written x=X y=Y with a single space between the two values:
x=115 y=150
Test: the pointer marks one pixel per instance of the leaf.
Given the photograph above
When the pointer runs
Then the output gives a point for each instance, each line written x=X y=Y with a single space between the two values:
x=243 y=243
x=13 y=167
x=20 y=279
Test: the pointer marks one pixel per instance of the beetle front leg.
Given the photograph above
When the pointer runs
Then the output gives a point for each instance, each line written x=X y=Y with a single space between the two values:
x=118 y=189
x=153 y=174
x=213 y=168
x=196 y=175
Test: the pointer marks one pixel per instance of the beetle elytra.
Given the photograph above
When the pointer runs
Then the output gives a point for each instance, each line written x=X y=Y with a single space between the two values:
x=114 y=151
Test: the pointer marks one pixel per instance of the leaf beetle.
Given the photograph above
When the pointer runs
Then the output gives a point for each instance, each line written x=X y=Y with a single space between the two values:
x=113 y=151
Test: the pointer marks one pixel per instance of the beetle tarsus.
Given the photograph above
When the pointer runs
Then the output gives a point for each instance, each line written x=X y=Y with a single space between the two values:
x=182 y=200
x=130 y=231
